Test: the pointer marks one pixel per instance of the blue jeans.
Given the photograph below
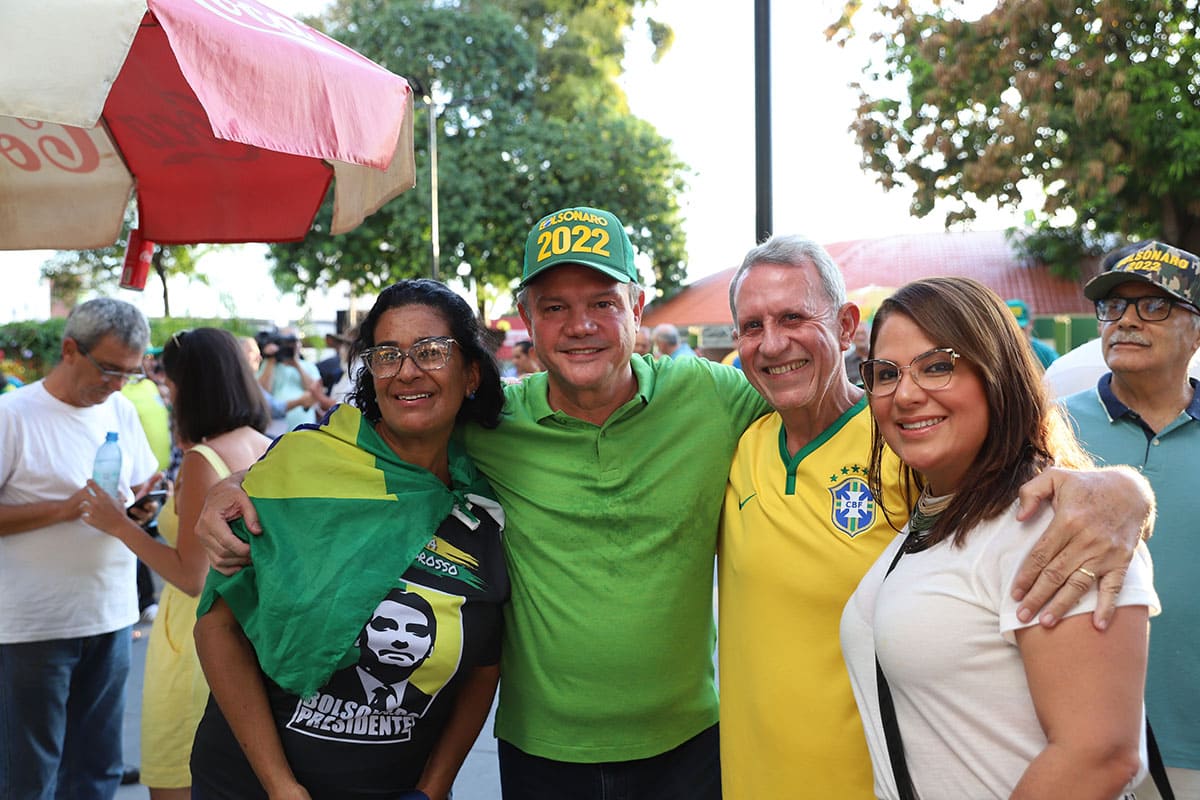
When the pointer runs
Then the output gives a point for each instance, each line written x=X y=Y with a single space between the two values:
x=61 y=708
x=691 y=771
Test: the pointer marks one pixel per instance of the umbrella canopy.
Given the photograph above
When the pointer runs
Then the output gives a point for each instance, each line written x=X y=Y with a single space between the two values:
x=228 y=118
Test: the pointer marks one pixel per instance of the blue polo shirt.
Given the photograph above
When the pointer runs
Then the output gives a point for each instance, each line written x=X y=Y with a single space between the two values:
x=1113 y=433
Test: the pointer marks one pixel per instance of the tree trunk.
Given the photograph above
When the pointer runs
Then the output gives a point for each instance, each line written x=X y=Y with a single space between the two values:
x=161 y=271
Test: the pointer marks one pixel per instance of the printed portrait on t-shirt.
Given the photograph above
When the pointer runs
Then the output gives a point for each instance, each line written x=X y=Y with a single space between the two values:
x=406 y=652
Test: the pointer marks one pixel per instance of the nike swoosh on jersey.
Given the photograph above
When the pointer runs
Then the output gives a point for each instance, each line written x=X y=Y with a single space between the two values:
x=742 y=503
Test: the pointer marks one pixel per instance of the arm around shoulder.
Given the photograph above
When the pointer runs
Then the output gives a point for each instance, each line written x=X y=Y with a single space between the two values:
x=1080 y=544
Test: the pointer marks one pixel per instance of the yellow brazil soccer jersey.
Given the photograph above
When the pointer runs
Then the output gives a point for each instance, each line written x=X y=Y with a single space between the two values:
x=797 y=535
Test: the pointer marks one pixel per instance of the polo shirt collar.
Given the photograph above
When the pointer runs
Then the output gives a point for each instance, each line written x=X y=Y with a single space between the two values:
x=537 y=388
x=1116 y=409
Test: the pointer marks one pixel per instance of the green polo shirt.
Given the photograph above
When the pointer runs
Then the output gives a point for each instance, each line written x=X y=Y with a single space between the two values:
x=610 y=537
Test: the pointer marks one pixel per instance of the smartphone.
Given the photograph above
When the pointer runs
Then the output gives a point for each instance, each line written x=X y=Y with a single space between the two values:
x=156 y=495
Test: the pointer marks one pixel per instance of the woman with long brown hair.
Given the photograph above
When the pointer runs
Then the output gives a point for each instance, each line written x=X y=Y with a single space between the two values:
x=978 y=703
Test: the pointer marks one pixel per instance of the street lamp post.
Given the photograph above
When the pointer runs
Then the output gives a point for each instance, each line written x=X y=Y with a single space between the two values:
x=762 y=119
x=434 y=236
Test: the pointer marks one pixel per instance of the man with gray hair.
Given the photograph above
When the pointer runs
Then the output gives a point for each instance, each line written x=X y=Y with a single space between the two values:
x=800 y=528
x=68 y=591
x=670 y=343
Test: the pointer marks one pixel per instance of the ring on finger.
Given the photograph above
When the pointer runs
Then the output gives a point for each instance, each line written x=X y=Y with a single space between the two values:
x=1087 y=572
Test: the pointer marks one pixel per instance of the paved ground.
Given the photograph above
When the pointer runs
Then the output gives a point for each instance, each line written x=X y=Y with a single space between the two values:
x=478 y=780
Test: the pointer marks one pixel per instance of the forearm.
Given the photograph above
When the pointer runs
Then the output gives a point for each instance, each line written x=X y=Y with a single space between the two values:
x=231 y=668
x=1060 y=771
x=165 y=560
x=470 y=710
x=31 y=516
x=267 y=376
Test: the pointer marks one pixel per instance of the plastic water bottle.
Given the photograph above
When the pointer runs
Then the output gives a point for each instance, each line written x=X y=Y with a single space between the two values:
x=107 y=468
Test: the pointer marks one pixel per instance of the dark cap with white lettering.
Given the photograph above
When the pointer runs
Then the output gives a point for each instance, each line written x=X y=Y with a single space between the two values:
x=1175 y=271
x=590 y=237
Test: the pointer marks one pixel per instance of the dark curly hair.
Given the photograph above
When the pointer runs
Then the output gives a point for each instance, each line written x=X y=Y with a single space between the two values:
x=485 y=407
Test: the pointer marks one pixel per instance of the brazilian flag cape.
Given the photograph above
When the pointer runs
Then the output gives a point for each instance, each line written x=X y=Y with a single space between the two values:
x=342 y=519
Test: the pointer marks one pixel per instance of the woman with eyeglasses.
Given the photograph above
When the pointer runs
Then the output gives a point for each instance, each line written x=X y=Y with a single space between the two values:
x=219 y=417
x=958 y=697
x=357 y=657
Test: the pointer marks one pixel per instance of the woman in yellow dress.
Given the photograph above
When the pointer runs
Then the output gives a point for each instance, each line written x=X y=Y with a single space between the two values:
x=219 y=416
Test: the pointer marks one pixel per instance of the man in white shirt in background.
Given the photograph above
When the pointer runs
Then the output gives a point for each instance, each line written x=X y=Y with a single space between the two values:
x=68 y=591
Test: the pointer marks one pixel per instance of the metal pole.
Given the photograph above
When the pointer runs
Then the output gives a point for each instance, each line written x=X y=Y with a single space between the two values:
x=433 y=190
x=762 y=119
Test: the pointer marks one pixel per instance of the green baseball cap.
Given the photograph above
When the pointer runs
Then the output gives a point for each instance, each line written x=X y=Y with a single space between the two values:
x=1020 y=310
x=590 y=237
x=1171 y=269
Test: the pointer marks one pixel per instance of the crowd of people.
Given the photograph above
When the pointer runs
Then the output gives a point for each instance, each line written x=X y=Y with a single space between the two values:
x=440 y=532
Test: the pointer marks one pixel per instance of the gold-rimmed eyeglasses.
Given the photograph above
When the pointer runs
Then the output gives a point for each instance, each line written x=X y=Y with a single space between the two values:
x=428 y=354
x=113 y=374
x=931 y=371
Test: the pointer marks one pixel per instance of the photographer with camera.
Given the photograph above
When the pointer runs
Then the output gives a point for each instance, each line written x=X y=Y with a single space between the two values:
x=288 y=377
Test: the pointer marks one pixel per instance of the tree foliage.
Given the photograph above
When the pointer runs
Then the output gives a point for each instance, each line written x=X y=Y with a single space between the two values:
x=1096 y=100
x=528 y=119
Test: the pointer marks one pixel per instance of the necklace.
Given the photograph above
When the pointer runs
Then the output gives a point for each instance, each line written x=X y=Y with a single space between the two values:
x=928 y=509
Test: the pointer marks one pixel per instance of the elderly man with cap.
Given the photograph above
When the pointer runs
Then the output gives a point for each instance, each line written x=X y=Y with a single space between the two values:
x=1146 y=413
x=611 y=469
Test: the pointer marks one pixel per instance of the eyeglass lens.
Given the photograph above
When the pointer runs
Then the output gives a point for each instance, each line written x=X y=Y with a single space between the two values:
x=113 y=374
x=930 y=370
x=428 y=354
x=1149 y=309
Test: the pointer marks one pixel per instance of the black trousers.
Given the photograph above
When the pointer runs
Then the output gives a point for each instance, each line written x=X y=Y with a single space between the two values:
x=691 y=771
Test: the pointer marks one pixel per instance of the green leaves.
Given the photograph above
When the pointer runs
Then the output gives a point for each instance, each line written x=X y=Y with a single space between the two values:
x=1097 y=101
x=528 y=118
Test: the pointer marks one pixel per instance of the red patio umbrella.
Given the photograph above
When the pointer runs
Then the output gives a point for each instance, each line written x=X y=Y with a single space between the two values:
x=227 y=118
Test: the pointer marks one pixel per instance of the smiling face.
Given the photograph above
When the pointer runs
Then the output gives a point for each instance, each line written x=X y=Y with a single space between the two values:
x=415 y=404
x=937 y=433
x=1157 y=350
x=583 y=327
x=790 y=336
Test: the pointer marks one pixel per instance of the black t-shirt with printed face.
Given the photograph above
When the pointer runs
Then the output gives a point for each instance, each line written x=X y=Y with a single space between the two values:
x=368 y=732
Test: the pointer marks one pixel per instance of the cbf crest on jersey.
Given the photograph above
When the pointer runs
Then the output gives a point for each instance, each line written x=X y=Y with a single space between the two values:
x=852 y=507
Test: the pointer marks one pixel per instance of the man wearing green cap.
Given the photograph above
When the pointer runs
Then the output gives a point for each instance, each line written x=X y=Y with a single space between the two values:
x=612 y=470
x=1045 y=354
x=1146 y=413
x=607 y=657
x=611 y=530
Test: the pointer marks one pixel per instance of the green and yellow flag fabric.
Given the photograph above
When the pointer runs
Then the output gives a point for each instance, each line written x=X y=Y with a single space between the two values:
x=342 y=519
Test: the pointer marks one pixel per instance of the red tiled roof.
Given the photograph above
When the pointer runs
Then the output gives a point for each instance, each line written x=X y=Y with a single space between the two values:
x=985 y=256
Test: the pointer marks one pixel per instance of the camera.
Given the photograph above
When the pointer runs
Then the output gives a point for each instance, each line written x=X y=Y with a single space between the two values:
x=286 y=344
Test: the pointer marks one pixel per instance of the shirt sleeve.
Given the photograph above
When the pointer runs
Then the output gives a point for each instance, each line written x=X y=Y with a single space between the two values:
x=1138 y=589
